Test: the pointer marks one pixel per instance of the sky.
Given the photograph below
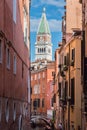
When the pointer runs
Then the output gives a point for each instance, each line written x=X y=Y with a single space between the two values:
x=54 y=13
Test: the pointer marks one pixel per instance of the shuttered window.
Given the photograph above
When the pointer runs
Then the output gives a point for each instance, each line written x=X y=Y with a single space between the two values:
x=65 y=60
x=31 y=90
x=66 y=92
x=59 y=90
x=42 y=102
x=8 y=57
x=73 y=54
x=14 y=64
x=72 y=91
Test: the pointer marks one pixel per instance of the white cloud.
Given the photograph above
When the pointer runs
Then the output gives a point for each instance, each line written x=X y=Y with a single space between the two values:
x=57 y=3
x=34 y=25
x=55 y=25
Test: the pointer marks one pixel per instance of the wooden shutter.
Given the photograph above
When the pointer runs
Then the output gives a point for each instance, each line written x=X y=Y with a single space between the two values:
x=72 y=91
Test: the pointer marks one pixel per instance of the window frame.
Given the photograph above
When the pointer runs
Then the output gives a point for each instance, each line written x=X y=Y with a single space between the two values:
x=0 y=51
x=73 y=54
x=8 y=58
x=14 y=10
x=25 y=26
x=14 y=64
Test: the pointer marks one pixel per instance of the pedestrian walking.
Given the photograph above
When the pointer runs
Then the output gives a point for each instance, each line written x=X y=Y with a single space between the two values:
x=60 y=127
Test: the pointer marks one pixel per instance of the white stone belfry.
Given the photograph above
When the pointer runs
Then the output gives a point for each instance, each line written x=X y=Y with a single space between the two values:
x=43 y=45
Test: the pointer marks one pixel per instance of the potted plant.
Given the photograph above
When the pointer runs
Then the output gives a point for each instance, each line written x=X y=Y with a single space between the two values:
x=65 y=67
x=62 y=74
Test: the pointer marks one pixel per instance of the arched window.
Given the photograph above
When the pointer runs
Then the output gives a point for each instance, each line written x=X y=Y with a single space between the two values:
x=14 y=111
x=20 y=122
x=7 y=111
x=40 y=49
x=49 y=50
x=44 y=49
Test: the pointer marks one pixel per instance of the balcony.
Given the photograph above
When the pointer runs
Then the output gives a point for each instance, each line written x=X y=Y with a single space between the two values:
x=62 y=74
x=65 y=67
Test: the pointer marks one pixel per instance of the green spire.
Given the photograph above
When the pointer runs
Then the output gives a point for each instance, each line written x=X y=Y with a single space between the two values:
x=43 y=26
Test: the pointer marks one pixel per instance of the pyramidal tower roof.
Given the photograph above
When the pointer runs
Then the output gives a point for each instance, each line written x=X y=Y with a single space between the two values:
x=43 y=26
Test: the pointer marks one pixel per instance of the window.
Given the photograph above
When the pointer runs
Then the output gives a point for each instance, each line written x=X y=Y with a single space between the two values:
x=49 y=51
x=14 y=111
x=25 y=27
x=8 y=57
x=35 y=104
x=73 y=54
x=37 y=89
x=22 y=70
x=0 y=52
x=72 y=91
x=54 y=98
x=14 y=10
x=59 y=90
x=44 y=49
x=65 y=92
x=42 y=102
x=64 y=60
x=38 y=101
x=67 y=59
x=20 y=122
x=30 y=90
x=38 y=50
x=52 y=101
x=7 y=111
x=14 y=63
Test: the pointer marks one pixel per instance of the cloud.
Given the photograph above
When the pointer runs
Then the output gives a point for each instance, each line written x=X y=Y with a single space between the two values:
x=57 y=3
x=34 y=24
x=55 y=25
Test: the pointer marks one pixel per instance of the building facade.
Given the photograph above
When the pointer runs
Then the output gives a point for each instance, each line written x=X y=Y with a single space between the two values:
x=70 y=88
x=14 y=64
x=75 y=22
x=69 y=67
x=42 y=87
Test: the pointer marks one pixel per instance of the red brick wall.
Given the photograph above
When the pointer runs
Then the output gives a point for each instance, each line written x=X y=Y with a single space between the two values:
x=13 y=87
x=47 y=83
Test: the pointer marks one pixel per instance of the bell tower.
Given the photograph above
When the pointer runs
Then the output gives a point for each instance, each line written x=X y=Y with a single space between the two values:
x=43 y=45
